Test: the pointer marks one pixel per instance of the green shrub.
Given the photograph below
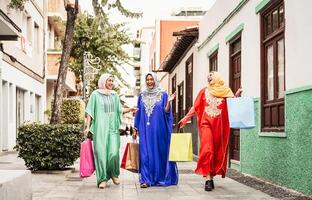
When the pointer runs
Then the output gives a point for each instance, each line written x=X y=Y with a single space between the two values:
x=72 y=111
x=47 y=146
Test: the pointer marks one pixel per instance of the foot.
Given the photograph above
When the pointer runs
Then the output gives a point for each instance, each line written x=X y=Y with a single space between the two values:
x=208 y=185
x=116 y=180
x=144 y=185
x=103 y=185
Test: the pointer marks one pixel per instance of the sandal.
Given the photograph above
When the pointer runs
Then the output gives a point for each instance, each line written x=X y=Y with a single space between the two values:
x=103 y=185
x=116 y=180
x=144 y=185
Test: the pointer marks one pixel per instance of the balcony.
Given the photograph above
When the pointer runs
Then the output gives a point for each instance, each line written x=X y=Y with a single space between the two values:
x=54 y=59
x=56 y=17
x=56 y=8
x=57 y=25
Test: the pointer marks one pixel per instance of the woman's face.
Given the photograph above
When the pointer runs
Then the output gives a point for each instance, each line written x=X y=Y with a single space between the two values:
x=150 y=81
x=109 y=83
x=210 y=77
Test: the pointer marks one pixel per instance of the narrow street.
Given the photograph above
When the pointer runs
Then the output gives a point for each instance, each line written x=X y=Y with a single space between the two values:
x=66 y=185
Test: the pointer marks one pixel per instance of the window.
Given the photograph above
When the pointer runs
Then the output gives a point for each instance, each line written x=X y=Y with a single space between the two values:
x=180 y=100
x=213 y=62
x=29 y=30
x=11 y=87
x=189 y=83
x=50 y=36
x=36 y=38
x=174 y=102
x=235 y=63
x=273 y=67
x=37 y=107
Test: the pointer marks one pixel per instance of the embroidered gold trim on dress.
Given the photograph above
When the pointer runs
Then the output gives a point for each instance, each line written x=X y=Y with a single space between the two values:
x=212 y=109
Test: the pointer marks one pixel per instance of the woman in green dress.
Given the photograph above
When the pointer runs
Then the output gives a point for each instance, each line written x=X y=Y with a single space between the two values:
x=104 y=112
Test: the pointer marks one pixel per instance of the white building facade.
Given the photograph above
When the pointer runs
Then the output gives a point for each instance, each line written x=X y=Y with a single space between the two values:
x=22 y=71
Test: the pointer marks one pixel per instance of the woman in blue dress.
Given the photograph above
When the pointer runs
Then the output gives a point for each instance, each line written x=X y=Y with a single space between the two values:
x=154 y=121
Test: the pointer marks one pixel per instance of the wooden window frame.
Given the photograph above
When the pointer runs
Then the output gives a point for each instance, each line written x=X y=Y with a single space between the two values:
x=174 y=102
x=189 y=84
x=234 y=142
x=180 y=114
x=276 y=106
x=213 y=58
x=233 y=54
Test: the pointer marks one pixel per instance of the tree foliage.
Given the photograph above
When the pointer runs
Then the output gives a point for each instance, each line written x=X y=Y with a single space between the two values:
x=102 y=39
x=17 y=4
x=100 y=5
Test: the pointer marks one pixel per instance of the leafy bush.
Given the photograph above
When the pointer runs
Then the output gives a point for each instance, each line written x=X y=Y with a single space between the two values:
x=72 y=111
x=47 y=146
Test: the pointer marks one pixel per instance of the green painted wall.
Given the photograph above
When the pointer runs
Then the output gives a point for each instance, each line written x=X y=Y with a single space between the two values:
x=286 y=161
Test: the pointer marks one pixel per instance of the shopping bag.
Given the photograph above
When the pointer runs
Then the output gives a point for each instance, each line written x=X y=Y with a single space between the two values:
x=181 y=148
x=130 y=159
x=241 y=112
x=86 y=159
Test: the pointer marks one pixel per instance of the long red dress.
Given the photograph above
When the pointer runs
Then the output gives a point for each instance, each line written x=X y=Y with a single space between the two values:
x=214 y=130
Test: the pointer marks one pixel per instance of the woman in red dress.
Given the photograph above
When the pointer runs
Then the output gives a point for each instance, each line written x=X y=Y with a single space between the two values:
x=214 y=129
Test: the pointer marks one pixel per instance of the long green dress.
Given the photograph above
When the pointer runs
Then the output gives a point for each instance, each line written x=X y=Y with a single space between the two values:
x=106 y=113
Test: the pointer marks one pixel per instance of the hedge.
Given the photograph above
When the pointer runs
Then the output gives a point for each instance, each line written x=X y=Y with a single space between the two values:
x=47 y=146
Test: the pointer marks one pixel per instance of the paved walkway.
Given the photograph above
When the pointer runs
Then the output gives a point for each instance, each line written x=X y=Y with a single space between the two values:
x=67 y=185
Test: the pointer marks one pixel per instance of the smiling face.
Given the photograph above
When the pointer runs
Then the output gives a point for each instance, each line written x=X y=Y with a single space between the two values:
x=210 y=77
x=109 y=83
x=150 y=81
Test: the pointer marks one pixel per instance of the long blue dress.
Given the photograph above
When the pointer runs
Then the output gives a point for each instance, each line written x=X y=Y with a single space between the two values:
x=155 y=126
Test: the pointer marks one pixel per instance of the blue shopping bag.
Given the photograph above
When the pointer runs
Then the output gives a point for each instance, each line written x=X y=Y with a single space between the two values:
x=241 y=112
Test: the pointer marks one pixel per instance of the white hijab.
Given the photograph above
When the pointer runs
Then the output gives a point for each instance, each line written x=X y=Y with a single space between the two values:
x=102 y=84
x=156 y=87
x=151 y=96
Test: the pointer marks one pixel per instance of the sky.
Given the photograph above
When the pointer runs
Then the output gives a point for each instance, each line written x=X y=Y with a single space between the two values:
x=152 y=10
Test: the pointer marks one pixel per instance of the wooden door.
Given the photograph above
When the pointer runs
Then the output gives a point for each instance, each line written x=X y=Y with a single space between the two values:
x=180 y=101
x=235 y=83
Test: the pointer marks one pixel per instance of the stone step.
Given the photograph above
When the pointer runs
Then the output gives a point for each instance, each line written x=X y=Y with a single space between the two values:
x=15 y=185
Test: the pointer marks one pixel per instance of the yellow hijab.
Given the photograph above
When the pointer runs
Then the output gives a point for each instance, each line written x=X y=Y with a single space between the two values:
x=217 y=88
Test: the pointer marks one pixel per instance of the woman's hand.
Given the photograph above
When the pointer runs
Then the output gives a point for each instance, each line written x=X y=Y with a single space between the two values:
x=135 y=134
x=172 y=97
x=182 y=122
x=133 y=110
x=86 y=131
x=238 y=93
